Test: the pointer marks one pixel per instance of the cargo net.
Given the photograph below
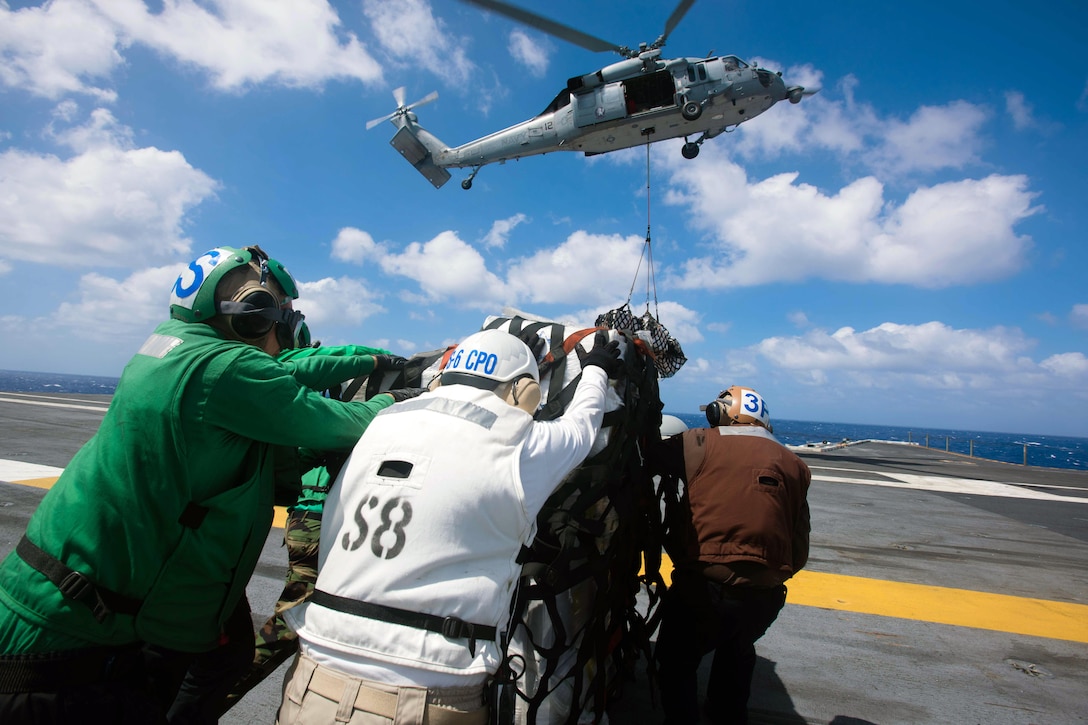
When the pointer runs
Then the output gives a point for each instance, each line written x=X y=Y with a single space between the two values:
x=668 y=357
x=577 y=629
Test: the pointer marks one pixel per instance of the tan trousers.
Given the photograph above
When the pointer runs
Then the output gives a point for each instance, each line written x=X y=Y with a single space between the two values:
x=317 y=695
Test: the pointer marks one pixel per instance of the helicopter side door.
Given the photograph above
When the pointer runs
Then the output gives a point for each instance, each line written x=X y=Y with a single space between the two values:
x=603 y=103
x=649 y=92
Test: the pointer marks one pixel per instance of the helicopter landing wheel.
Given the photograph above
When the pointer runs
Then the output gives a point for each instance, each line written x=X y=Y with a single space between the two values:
x=466 y=184
x=690 y=150
x=691 y=111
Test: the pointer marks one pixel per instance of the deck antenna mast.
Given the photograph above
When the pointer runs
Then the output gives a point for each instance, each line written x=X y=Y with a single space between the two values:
x=647 y=249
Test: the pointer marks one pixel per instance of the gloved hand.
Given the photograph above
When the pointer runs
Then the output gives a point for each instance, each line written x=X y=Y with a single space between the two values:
x=534 y=342
x=403 y=394
x=385 y=363
x=605 y=354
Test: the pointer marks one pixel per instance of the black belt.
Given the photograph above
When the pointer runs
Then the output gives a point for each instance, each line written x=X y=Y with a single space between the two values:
x=53 y=671
x=451 y=627
x=75 y=585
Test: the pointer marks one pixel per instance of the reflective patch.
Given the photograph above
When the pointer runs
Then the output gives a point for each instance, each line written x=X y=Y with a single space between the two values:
x=459 y=409
x=158 y=345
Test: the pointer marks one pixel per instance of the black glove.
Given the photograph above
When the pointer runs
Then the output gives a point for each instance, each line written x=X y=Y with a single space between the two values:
x=385 y=363
x=403 y=394
x=534 y=342
x=605 y=354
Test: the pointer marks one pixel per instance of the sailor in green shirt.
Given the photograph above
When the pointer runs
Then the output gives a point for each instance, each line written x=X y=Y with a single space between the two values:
x=142 y=550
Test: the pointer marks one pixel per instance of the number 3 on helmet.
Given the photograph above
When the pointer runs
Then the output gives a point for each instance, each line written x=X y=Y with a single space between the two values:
x=739 y=406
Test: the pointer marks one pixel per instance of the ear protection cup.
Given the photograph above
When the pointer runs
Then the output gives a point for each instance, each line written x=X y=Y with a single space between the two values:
x=714 y=413
x=524 y=393
x=251 y=301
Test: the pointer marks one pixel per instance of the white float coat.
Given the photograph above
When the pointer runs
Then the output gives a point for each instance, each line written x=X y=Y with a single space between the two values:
x=481 y=472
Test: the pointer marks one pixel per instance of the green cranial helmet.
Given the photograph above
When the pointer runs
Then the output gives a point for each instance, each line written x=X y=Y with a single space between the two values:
x=192 y=298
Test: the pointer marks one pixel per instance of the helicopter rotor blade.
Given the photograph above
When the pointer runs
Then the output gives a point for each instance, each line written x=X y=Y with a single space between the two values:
x=551 y=27
x=402 y=109
x=678 y=14
x=432 y=96
x=376 y=121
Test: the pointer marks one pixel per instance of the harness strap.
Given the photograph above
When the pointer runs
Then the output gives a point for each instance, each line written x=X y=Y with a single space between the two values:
x=451 y=627
x=75 y=585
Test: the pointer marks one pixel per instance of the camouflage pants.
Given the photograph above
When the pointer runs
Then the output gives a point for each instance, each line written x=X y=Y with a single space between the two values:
x=302 y=536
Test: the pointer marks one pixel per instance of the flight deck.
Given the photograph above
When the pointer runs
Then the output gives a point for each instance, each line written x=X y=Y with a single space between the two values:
x=940 y=588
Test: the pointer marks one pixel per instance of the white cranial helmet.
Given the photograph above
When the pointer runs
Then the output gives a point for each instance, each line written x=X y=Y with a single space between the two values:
x=671 y=425
x=488 y=358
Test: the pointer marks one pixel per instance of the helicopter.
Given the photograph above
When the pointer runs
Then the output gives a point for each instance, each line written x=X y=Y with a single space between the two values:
x=641 y=99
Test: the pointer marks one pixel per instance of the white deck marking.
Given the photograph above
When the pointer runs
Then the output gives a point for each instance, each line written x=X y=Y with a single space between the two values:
x=85 y=406
x=15 y=471
x=942 y=484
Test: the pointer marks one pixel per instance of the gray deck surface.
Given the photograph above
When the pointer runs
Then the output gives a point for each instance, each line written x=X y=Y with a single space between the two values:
x=815 y=665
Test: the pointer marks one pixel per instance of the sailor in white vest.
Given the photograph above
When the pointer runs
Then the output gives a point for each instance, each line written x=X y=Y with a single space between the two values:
x=421 y=535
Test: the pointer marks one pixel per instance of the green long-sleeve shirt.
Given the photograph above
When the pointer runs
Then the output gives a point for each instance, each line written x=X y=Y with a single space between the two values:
x=193 y=421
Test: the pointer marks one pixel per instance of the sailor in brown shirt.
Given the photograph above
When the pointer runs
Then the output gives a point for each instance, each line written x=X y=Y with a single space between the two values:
x=737 y=529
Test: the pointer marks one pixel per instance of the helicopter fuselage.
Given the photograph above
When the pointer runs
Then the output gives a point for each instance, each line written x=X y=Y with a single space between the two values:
x=622 y=113
x=630 y=103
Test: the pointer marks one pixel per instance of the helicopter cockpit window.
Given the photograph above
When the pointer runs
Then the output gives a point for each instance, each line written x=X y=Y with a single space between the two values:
x=560 y=101
x=732 y=63
x=697 y=69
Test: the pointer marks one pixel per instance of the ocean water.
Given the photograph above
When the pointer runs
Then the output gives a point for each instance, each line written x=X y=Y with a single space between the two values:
x=1047 y=451
x=24 y=382
x=1040 y=450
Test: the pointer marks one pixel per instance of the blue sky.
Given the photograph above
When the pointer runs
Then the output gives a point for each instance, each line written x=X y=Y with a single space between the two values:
x=905 y=247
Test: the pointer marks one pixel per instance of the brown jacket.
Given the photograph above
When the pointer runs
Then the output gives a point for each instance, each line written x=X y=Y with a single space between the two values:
x=744 y=517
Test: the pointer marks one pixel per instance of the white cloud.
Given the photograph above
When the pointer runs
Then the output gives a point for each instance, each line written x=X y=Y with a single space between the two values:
x=935 y=137
x=58 y=48
x=245 y=42
x=1067 y=365
x=55 y=49
x=5 y=267
x=1019 y=110
x=121 y=310
x=531 y=52
x=1079 y=316
x=409 y=31
x=110 y=205
x=573 y=270
x=355 y=245
x=896 y=348
x=449 y=270
x=500 y=230
x=681 y=322
x=720 y=328
x=798 y=319
x=330 y=301
x=780 y=230
x=919 y=359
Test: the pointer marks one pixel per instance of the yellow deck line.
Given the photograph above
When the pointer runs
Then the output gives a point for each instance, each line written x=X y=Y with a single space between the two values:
x=939 y=605
x=45 y=483
x=919 y=602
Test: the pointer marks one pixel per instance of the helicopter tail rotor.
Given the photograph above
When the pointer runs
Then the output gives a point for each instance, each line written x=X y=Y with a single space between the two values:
x=402 y=109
